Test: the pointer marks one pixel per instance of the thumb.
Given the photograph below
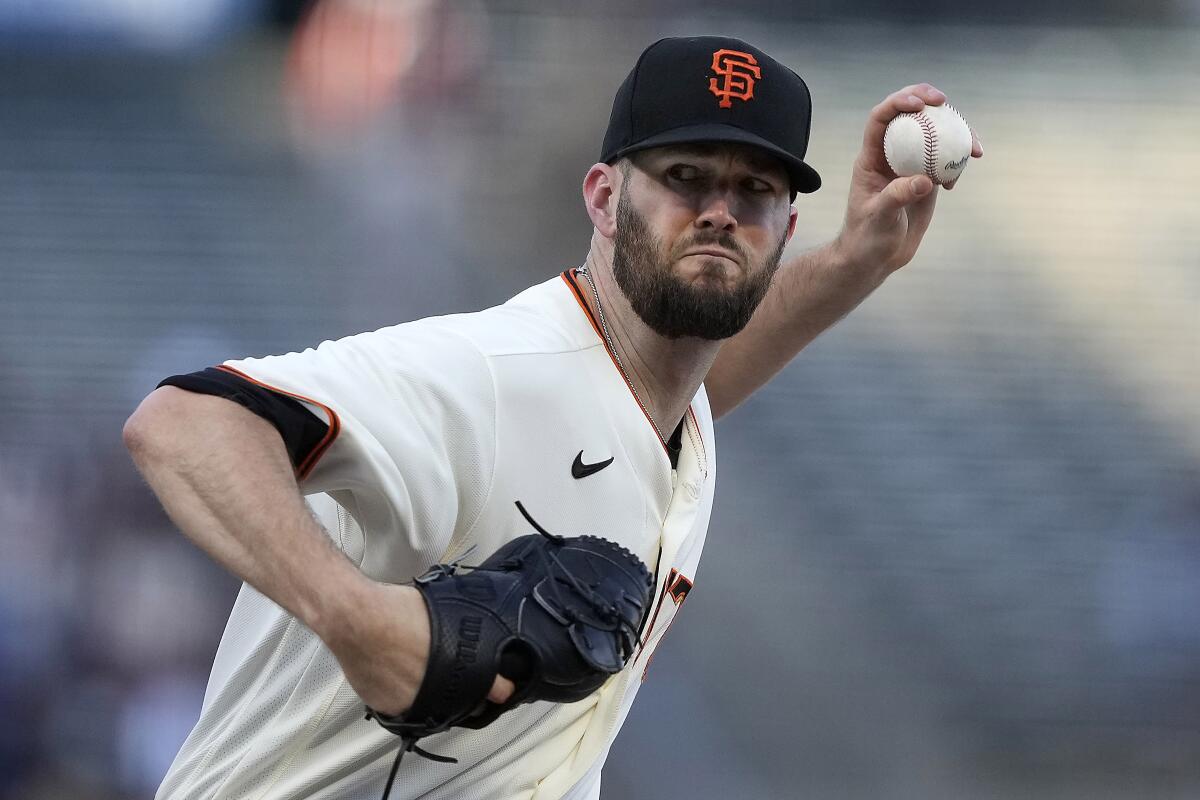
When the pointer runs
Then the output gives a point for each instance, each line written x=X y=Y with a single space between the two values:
x=905 y=191
x=502 y=689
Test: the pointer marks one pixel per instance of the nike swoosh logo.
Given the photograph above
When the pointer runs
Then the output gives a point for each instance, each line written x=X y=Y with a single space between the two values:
x=582 y=470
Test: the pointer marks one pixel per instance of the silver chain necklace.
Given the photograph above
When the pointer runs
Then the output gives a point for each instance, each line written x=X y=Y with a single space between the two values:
x=616 y=358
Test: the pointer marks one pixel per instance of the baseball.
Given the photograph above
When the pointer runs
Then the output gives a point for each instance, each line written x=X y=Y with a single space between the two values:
x=935 y=141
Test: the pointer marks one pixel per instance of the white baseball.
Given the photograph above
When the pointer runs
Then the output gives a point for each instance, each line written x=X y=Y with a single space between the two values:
x=935 y=141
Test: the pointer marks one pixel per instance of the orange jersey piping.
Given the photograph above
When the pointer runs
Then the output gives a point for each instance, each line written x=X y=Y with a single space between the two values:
x=335 y=423
x=568 y=277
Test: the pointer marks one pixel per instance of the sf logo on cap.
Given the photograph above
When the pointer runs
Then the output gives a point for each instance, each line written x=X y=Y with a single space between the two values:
x=740 y=71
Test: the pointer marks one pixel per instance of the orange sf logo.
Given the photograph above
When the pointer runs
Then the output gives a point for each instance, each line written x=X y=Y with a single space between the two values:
x=740 y=70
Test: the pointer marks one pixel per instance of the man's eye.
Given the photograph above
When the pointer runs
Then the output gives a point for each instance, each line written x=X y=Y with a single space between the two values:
x=757 y=185
x=684 y=172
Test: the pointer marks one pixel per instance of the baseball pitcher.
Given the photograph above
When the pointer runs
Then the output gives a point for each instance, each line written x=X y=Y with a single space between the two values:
x=462 y=538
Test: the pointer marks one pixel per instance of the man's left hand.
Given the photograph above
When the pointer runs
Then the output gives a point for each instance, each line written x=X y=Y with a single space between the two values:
x=886 y=216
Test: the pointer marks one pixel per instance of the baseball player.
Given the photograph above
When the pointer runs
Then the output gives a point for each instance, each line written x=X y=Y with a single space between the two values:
x=328 y=479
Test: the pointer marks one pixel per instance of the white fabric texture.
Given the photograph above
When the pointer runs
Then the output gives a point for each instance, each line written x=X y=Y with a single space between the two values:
x=443 y=424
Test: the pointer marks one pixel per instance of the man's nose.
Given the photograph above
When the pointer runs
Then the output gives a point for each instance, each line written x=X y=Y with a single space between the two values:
x=717 y=213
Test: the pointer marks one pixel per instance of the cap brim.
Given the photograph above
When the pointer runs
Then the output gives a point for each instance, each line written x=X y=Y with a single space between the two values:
x=804 y=179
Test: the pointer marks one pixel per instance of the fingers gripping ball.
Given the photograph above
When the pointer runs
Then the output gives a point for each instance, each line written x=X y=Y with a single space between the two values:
x=935 y=141
x=556 y=615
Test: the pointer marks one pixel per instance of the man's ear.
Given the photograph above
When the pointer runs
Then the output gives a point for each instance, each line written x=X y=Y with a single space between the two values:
x=601 y=190
x=792 y=214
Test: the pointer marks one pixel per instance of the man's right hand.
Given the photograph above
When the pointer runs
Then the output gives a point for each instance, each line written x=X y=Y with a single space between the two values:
x=385 y=650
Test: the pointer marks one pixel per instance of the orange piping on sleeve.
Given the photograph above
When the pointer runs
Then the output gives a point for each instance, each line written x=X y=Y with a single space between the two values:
x=335 y=423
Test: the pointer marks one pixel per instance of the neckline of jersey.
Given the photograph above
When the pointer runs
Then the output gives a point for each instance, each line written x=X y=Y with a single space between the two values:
x=570 y=278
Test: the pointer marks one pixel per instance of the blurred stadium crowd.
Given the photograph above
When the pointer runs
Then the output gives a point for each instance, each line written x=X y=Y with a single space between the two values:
x=956 y=548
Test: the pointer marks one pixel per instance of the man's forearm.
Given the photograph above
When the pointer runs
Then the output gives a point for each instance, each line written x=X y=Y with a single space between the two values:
x=809 y=294
x=224 y=478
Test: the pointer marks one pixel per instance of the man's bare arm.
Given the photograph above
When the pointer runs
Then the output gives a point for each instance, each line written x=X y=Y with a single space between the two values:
x=886 y=220
x=809 y=294
x=223 y=475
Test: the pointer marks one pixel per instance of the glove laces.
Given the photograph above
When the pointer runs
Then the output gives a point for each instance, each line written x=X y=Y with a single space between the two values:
x=607 y=615
x=606 y=612
x=407 y=744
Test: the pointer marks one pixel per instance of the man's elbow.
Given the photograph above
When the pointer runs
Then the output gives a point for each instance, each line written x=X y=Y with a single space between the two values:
x=148 y=429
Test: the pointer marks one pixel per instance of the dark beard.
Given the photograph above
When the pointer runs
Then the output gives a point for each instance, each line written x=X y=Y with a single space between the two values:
x=671 y=307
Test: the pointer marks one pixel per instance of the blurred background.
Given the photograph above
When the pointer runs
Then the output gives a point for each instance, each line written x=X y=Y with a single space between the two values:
x=956 y=545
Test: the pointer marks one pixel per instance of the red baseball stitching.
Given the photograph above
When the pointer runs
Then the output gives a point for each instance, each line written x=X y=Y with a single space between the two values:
x=930 y=146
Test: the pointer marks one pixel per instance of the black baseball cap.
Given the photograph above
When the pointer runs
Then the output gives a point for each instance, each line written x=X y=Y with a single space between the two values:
x=713 y=89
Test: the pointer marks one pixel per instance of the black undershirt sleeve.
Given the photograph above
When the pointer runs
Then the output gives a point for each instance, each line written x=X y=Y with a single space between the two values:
x=302 y=430
x=675 y=445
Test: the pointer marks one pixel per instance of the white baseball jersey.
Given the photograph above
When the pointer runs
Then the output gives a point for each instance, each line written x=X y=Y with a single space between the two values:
x=436 y=428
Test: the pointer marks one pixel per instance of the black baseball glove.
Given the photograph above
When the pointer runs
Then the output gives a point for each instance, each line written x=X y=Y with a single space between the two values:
x=555 y=615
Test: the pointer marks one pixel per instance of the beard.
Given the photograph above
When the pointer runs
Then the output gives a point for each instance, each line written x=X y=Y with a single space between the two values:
x=668 y=305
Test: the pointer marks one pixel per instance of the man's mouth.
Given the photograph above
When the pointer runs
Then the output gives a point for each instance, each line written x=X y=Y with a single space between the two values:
x=714 y=252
